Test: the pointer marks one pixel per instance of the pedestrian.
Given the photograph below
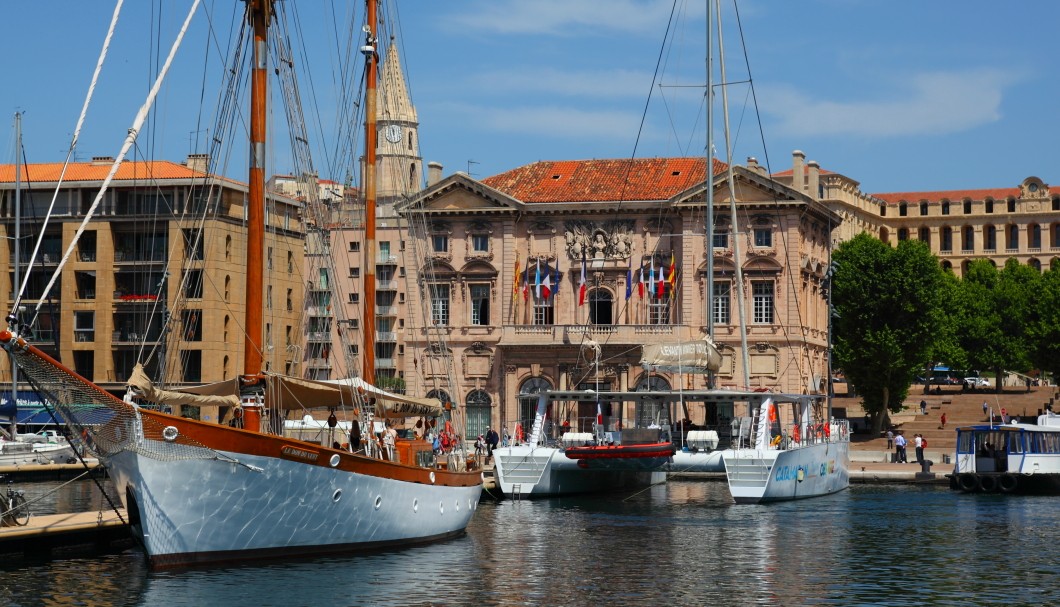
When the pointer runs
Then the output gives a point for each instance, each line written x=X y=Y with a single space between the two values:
x=1004 y=415
x=923 y=407
x=899 y=449
x=505 y=439
x=942 y=420
x=918 y=445
x=492 y=440
x=986 y=410
x=480 y=446
x=890 y=439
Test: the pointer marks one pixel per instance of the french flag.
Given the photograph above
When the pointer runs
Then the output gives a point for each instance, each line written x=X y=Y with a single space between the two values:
x=581 y=284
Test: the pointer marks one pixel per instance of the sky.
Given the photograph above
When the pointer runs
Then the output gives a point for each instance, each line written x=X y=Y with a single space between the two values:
x=901 y=96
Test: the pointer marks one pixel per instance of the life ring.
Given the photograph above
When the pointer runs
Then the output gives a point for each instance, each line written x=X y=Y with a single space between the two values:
x=968 y=482
x=988 y=483
x=1007 y=483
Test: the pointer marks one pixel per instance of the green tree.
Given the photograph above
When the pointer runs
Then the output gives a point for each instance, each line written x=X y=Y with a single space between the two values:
x=889 y=316
x=1043 y=329
x=996 y=308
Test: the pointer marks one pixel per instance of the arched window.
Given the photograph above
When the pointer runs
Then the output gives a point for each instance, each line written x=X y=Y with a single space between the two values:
x=903 y=209
x=945 y=207
x=885 y=235
x=1034 y=236
x=923 y=208
x=1013 y=242
x=1034 y=263
x=1055 y=240
x=946 y=239
x=989 y=238
x=1011 y=205
x=925 y=235
x=989 y=206
x=601 y=307
x=654 y=413
x=903 y=234
x=478 y=413
x=528 y=392
x=968 y=239
x=441 y=395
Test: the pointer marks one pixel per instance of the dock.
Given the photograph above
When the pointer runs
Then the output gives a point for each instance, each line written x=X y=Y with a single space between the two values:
x=77 y=532
x=48 y=472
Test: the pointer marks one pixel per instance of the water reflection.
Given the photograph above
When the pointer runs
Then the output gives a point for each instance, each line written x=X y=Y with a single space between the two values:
x=682 y=543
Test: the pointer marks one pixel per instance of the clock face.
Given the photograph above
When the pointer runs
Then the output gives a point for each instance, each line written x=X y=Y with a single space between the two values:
x=393 y=133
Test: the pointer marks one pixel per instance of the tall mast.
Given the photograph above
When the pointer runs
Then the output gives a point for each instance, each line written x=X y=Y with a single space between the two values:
x=18 y=261
x=371 y=54
x=710 y=189
x=259 y=12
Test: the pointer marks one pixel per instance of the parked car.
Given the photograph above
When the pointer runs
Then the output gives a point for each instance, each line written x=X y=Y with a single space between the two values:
x=972 y=383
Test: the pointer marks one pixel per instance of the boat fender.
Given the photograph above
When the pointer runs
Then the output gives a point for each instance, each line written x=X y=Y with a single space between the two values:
x=988 y=483
x=968 y=482
x=170 y=433
x=1007 y=483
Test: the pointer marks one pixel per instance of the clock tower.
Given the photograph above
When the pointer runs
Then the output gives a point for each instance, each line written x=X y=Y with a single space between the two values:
x=399 y=168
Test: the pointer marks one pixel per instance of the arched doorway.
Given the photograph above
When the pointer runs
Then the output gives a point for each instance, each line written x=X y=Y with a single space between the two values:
x=527 y=399
x=653 y=413
x=478 y=413
x=601 y=307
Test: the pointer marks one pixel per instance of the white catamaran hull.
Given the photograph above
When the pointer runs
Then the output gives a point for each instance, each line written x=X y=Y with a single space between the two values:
x=195 y=511
x=768 y=475
x=696 y=461
x=546 y=472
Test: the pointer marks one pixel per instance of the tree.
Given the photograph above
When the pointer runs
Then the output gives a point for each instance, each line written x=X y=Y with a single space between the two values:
x=996 y=309
x=1043 y=330
x=890 y=315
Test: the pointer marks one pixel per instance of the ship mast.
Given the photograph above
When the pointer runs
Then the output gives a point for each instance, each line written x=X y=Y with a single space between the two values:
x=259 y=12
x=371 y=54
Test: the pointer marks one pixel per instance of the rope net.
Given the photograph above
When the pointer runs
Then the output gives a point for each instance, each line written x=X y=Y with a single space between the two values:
x=99 y=421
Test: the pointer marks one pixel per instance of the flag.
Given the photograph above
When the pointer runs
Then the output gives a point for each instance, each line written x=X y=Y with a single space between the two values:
x=672 y=278
x=557 y=281
x=515 y=282
x=537 y=281
x=526 y=280
x=599 y=415
x=629 y=279
x=660 y=285
x=546 y=287
x=581 y=284
x=640 y=285
x=651 y=278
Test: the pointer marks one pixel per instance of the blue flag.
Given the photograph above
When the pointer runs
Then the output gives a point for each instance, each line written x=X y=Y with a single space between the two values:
x=629 y=280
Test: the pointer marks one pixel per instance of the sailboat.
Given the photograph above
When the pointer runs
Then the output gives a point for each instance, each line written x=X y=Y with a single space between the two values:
x=201 y=492
x=783 y=446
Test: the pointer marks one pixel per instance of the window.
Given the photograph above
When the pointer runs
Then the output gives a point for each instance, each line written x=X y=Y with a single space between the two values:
x=193 y=285
x=923 y=208
x=1011 y=205
x=480 y=243
x=989 y=238
x=355 y=298
x=85 y=326
x=290 y=262
x=290 y=300
x=968 y=239
x=355 y=272
x=903 y=210
x=543 y=311
x=269 y=259
x=903 y=234
x=480 y=305
x=989 y=206
x=600 y=307
x=478 y=412
x=946 y=208
x=722 y=302
x=384 y=251
x=193 y=249
x=763 y=237
x=439 y=305
x=1034 y=236
x=762 y=299
x=721 y=238
x=355 y=246
x=967 y=207
x=440 y=243
x=192 y=320
x=946 y=243
x=925 y=235
x=1013 y=238
x=1055 y=229
x=268 y=298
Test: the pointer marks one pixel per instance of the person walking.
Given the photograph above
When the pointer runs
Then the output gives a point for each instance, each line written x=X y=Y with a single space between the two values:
x=899 y=449
x=986 y=410
x=492 y=440
x=923 y=407
x=942 y=420
x=918 y=446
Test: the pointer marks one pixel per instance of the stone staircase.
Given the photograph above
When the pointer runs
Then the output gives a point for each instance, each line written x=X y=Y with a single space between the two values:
x=961 y=408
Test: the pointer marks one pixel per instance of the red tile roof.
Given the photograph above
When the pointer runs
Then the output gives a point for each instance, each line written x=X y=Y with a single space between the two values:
x=634 y=179
x=951 y=195
x=97 y=171
x=791 y=172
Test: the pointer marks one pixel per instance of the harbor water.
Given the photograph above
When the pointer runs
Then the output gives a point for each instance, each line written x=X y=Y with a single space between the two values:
x=682 y=543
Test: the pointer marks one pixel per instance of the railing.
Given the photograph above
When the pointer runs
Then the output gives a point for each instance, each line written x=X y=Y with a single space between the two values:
x=386 y=311
x=386 y=285
x=385 y=363
x=318 y=336
x=386 y=259
x=385 y=336
x=627 y=334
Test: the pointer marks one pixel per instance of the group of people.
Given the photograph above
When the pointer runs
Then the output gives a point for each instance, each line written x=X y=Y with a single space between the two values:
x=486 y=443
x=901 y=444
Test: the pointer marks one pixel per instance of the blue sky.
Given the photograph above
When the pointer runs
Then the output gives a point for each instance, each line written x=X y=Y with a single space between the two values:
x=901 y=96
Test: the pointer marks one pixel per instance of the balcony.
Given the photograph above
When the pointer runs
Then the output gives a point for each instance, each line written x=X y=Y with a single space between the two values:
x=385 y=363
x=386 y=259
x=386 y=285
x=386 y=311
x=385 y=336
x=551 y=335
x=319 y=336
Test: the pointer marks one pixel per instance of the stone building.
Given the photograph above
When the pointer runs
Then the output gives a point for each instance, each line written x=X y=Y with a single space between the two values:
x=143 y=283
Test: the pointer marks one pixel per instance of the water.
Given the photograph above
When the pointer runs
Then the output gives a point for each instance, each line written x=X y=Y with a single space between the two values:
x=683 y=543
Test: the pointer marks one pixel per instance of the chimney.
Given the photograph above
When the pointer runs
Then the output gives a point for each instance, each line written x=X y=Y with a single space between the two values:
x=434 y=173
x=102 y=160
x=752 y=164
x=813 y=179
x=198 y=162
x=798 y=174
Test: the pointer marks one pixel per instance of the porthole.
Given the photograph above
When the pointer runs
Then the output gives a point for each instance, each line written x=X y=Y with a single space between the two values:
x=335 y=459
x=378 y=501
x=335 y=496
x=170 y=433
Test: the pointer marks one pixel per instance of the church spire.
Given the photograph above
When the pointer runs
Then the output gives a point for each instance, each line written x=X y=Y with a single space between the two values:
x=398 y=152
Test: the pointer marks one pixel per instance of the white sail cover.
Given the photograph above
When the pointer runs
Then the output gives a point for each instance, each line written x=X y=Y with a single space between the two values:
x=291 y=393
x=697 y=356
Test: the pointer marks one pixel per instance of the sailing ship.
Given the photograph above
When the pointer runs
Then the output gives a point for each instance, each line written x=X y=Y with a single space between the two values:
x=201 y=492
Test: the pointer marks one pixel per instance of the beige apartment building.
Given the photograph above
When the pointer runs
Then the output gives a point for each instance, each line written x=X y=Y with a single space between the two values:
x=143 y=283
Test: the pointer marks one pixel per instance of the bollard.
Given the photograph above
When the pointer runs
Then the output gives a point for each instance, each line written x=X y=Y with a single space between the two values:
x=925 y=466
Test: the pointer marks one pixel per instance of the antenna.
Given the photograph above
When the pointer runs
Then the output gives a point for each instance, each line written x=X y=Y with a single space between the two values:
x=469 y=163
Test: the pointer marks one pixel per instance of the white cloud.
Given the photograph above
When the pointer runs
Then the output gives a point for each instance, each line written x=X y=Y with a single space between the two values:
x=933 y=103
x=565 y=17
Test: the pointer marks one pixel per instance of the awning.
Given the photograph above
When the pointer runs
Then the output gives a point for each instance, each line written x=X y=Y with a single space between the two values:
x=698 y=356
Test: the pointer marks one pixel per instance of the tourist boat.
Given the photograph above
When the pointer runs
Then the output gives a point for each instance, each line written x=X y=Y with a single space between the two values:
x=1009 y=458
x=201 y=492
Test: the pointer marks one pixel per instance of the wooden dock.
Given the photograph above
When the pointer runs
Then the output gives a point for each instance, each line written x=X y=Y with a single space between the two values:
x=47 y=534
x=47 y=472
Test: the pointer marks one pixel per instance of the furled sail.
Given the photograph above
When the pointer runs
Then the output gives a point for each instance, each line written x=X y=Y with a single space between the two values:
x=698 y=356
